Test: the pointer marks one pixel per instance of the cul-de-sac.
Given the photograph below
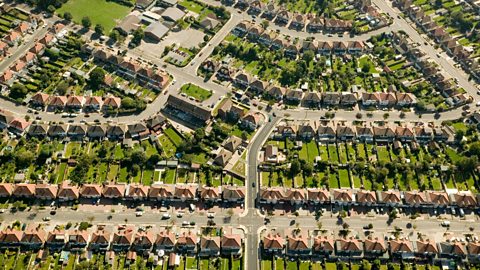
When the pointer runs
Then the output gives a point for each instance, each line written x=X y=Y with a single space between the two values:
x=240 y=134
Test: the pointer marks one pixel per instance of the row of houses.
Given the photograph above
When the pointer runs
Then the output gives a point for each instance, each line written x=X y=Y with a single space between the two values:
x=393 y=198
x=256 y=33
x=130 y=68
x=75 y=103
x=123 y=239
x=157 y=192
x=14 y=35
x=327 y=131
x=445 y=84
x=243 y=80
x=300 y=245
x=281 y=16
x=450 y=44
x=14 y=124
x=30 y=57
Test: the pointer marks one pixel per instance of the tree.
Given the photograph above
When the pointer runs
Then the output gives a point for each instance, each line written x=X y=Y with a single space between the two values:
x=138 y=36
x=86 y=22
x=295 y=167
x=99 y=29
x=68 y=16
x=23 y=158
x=114 y=35
x=97 y=76
x=307 y=168
x=62 y=88
x=308 y=56
x=18 y=91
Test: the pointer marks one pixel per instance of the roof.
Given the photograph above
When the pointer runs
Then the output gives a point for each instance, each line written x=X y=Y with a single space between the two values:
x=186 y=106
x=348 y=245
x=273 y=241
x=297 y=243
x=114 y=190
x=210 y=242
x=231 y=241
x=157 y=29
x=233 y=192
x=173 y=14
x=161 y=191
x=322 y=243
x=400 y=246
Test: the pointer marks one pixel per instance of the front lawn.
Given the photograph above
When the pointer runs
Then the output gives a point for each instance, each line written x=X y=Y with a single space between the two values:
x=100 y=12
x=196 y=92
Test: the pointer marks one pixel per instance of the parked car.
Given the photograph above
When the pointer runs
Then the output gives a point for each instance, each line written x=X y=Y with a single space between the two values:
x=166 y=216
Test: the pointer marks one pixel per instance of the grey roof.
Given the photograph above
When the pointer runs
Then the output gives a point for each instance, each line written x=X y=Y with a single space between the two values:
x=129 y=23
x=173 y=14
x=156 y=29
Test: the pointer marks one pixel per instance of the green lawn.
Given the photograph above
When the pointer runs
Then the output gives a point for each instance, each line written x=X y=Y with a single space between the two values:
x=195 y=91
x=100 y=12
x=382 y=153
x=344 y=179
x=173 y=136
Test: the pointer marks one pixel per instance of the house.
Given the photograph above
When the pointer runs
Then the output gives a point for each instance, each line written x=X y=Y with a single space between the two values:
x=242 y=28
x=405 y=99
x=93 y=103
x=96 y=132
x=138 y=131
x=91 y=191
x=273 y=243
x=68 y=192
x=122 y=239
x=312 y=99
x=34 y=237
x=298 y=21
x=345 y=133
x=143 y=240
x=425 y=248
x=223 y=157
x=383 y=134
x=349 y=247
x=7 y=77
x=258 y=86
x=348 y=99
x=364 y=134
x=38 y=48
x=315 y=24
x=404 y=134
x=270 y=11
x=225 y=73
x=271 y=154
x=6 y=190
x=267 y=37
x=233 y=194
x=389 y=198
x=463 y=199
x=232 y=143
x=231 y=244
x=18 y=126
x=387 y=99
x=331 y=98
x=374 y=248
x=370 y=99
x=297 y=245
x=452 y=249
x=242 y=80
x=284 y=130
x=283 y=17
x=161 y=192
x=256 y=7
x=209 y=246
x=10 y=237
x=254 y=32
x=39 y=99
x=415 y=198
x=57 y=131
x=24 y=190
x=401 y=248
x=473 y=249
x=156 y=122
x=272 y=195
x=78 y=240
x=186 y=243
x=137 y=192
x=323 y=246
x=100 y=240
x=185 y=192
x=306 y=130
x=76 y=131
x=38 y=130
x=292 y=50
x=365 y=197
x=112 y=103
x=276 y=92
x=252 y=120
x=114 y=191
x=28 y=58
x=342 y=196
x=423 y=134
x=18 y=66
x=56 y=240
x=210 y=194
x=57 y=102
x=115 y=132
x=165 y=241
x=318 y=196
x=438 y=199
x=279 y=43
x=46 y=191
x=294 y=96
x=295 y=196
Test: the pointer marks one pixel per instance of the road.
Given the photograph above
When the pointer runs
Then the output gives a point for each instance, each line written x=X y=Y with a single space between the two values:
x=446 y=64
x=23 y=48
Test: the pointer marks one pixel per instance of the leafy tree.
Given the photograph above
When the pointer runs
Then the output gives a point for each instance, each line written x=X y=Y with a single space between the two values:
x=138 y=36
x=23 y=158
x=99 y=29
x=68 y=16
x=307 y=168
x=114 y=35
x=86 y=22
x=97 y=76
x=18 y=91
x=62 y=88
x=295 y=167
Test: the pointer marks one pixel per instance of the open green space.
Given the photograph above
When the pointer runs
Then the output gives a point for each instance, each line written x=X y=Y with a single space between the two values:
x=195 y=91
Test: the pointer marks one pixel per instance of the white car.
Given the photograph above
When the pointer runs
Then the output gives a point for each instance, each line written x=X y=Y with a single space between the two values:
x=445 y=223
x=185 y=223
x=166 y=216
x=210 y=215
x=478 y=104
x=139 y=213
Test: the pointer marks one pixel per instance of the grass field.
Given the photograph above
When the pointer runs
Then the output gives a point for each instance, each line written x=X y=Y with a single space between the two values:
x=195 y=92
x=173 y=136
x=100 y=12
